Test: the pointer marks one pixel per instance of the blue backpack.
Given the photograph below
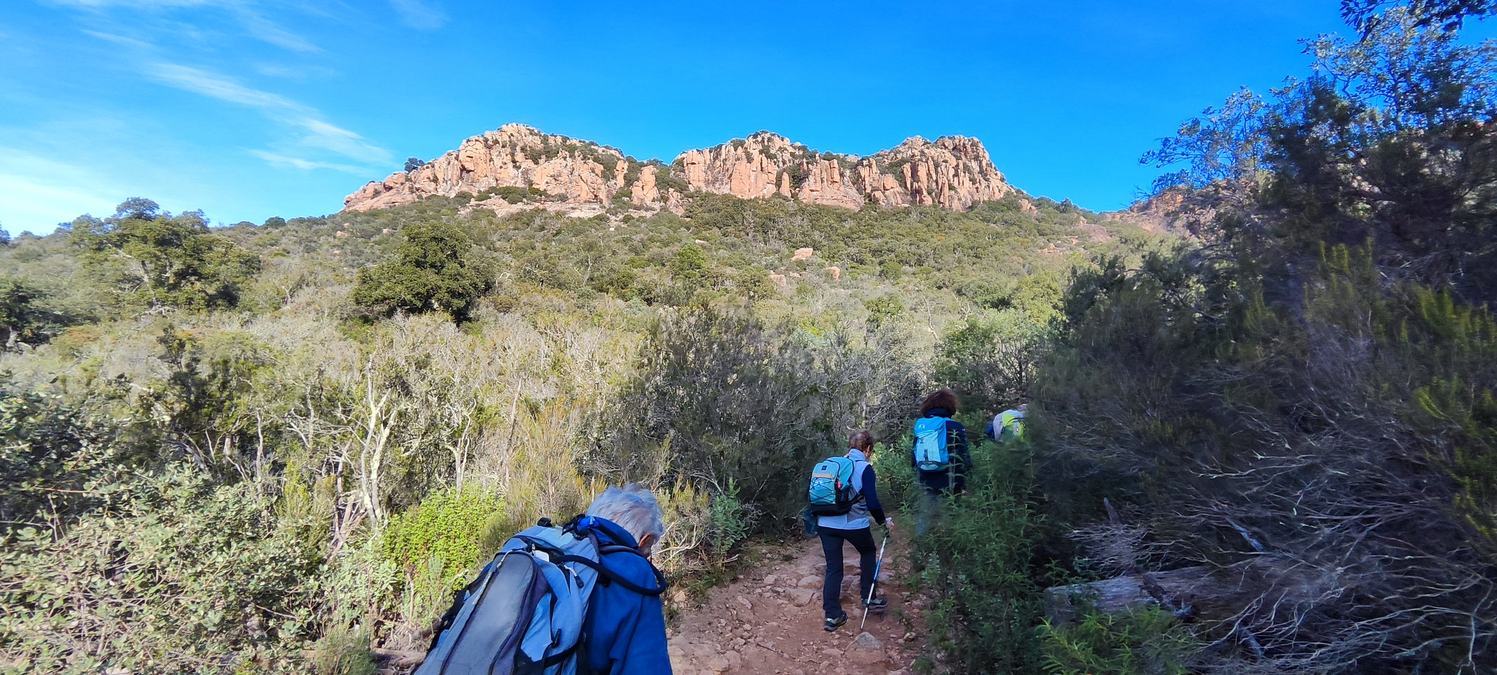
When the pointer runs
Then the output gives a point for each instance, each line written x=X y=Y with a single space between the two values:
x=524 y=612
x=831 y=492
x=930 y=444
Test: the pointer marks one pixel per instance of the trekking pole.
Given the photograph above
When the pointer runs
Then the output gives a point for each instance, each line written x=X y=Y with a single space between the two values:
x=876 y=568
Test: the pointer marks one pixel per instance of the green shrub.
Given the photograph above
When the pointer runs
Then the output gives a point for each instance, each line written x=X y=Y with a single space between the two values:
x=1144 y=641
x=455 y=528
x=990 y=360
x=181 y=577
x=731 y=520
x=436 y=269
x=344 y=650
x=977 y=568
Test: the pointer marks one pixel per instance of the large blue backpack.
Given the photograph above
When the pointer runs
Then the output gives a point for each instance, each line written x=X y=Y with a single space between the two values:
x=524 y=612
x=831 y=492
x=930 y=444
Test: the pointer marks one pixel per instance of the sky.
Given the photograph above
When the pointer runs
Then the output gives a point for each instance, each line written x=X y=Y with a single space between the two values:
x=248 y=109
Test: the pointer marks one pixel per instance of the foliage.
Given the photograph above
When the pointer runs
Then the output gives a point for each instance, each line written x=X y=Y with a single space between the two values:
x=454 y=528
x=1304 y=401
x=52 y=454
x=721 y=396
x=186 y=577
x=434 y=269
x=731 y=520
x=977 y=567
x=1146 y=640
x=23 y=318
x=990 y=361
x=158 y=260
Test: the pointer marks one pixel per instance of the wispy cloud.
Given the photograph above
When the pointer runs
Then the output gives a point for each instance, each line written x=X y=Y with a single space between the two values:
x=214 y=85
x=244 y=14
x=314 y=132
x=419 y=15
x=119 y=40
x=281 y=161
x=272 y=33
x=297 y=71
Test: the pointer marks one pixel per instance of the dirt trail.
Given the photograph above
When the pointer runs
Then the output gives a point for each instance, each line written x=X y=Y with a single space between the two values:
x=769 y=620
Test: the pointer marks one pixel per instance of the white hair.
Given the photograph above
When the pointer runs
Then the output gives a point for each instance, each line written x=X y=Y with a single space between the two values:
x=632 y=507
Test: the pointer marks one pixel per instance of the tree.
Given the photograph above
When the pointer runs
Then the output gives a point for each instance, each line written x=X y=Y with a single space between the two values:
x=4 y=237
x=138 y=208
x=1307 y=402
x=413 y=163
x=21 y=319
x=160 y=260
x=436 y=268
x=1447 y=14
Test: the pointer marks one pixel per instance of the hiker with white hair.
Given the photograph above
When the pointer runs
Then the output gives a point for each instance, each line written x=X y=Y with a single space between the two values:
x=624 y=631
x=580 y=597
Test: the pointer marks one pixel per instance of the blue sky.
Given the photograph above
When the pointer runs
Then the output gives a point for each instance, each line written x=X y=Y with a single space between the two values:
x=253 y=108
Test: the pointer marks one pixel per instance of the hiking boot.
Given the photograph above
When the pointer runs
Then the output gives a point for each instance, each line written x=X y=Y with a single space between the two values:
x=877 y=604
x=835 y=623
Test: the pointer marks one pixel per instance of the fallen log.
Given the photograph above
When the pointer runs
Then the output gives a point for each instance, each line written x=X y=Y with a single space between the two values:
x=1179 y=591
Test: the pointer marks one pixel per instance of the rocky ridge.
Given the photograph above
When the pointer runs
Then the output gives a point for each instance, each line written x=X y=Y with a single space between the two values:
x=519 y=163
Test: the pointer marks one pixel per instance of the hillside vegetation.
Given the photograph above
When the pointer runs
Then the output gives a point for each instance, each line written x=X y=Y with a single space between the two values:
x=243 y=448
x=271 y=448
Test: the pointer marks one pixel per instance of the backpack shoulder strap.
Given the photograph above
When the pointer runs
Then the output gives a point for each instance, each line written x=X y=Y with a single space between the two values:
x=609 y=576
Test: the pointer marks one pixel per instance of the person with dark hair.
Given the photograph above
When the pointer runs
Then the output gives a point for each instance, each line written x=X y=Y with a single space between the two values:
x=852 y=527
x=941 y=457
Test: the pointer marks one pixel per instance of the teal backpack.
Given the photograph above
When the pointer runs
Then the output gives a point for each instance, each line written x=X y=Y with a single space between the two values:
x=930 y=444
x=832 y=492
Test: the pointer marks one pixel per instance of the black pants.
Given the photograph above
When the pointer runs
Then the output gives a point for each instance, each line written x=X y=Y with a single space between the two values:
x=831 y=545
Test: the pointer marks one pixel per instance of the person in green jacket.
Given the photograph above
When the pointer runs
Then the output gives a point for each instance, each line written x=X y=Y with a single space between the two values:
x=1009 y=424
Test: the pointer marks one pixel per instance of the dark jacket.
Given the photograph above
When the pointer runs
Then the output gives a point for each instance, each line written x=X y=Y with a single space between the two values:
x=961 y=457
x=624 y=632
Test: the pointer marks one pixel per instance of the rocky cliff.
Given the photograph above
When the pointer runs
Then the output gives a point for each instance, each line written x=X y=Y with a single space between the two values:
x=953 y=172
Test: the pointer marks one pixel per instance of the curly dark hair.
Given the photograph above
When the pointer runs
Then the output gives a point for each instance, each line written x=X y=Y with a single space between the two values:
x=940 y=398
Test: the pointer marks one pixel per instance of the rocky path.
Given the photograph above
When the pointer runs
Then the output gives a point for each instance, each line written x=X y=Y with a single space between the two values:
x=768 y=620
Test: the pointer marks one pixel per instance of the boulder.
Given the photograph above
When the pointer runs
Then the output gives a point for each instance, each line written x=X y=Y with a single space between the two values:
x=866 y=650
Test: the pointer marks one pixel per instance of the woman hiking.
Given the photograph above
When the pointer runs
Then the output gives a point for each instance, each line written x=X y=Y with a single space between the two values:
x=941 y=457
x=853 y=528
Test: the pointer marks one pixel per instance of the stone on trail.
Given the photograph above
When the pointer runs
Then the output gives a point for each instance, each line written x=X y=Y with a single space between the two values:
x=866 y=650
x=743 y=602
x=801 y=597
x=810 y=581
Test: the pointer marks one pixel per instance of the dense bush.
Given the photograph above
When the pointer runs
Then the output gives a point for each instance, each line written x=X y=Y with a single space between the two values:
x=54 y=457
x=158 y=260
x=1146 y=641
x=1304 y=405
x=720 y=396
x=435 y=269
x=990 y=361
x=455 y=528
x=976 y=564
x=182 y=577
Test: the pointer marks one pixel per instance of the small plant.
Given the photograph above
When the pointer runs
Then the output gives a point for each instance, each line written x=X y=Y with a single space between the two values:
x=732 y=520
x=1146 y=640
